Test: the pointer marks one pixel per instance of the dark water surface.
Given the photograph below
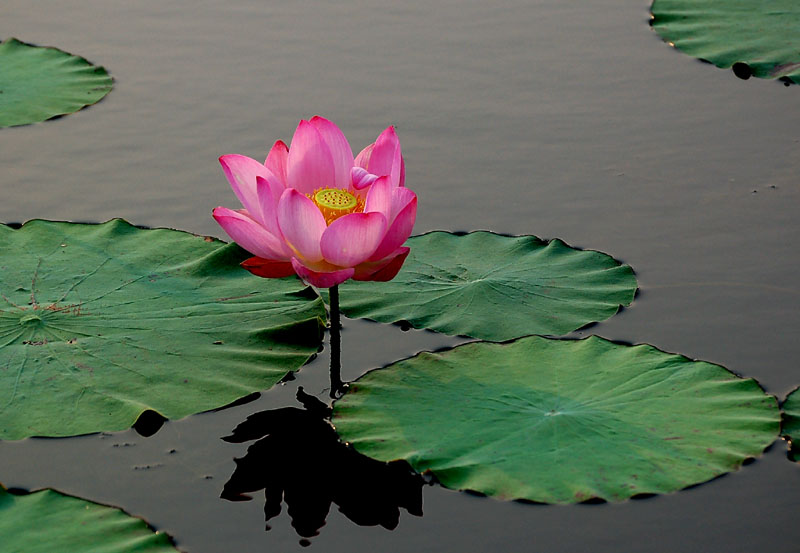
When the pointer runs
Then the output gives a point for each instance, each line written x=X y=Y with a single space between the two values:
x=559 y=119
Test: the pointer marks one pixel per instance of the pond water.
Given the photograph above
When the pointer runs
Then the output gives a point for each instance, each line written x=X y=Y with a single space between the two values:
x=568 y=120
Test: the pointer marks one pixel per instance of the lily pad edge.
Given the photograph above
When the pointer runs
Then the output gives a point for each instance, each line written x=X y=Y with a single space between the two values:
x=14 y=225
x=741 y=69
x=22 y=492
x=92 y=64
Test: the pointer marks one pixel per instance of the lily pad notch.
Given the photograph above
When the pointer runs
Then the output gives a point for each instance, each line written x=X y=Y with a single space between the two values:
x=557 y=420
x=790 y=428
x=495 y=287
x=101 y=323
x=38 y=83
x=752 y=37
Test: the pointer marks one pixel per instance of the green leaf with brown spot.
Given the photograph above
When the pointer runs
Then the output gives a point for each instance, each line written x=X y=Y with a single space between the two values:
x=99 y=323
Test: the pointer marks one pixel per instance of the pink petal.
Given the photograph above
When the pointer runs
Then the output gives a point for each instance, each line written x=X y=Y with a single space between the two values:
x=340 y=150
x=249 y=234
x=267 y=268
x=321 y=279
x=361 y=178
x=379 y=198
x=385 y=269
x=276 y=160
x=269 y=193
x=241 y=172
x=310 y=163
x=399 y=230
x=386 y=157
x=401 y=197
x=301 y=224
x=362 y=159
x=351 y=239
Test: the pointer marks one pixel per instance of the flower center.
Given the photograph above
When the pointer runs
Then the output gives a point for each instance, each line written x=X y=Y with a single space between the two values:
x=335 y=202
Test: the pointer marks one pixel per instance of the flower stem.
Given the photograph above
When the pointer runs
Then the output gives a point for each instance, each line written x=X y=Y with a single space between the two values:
x=337 y=386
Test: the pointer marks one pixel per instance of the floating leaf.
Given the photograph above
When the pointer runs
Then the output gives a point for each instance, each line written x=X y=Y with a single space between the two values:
x=47 y=521
x=558 y=421
x=752 y=36
x=99 y=323
x=494 y=287
x=791 y=423
x=38 y=83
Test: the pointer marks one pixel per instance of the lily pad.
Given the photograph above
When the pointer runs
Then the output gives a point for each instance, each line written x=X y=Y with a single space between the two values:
x=791 y=423
x=751 y=36
x=48 y=521
x=99 y=323
x=37 y=83
x=559 y=421
x=494 y=287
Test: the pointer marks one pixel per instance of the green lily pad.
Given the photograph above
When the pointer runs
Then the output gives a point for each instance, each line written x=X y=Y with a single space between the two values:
x=47 y=521
x=99 y=323
x=559 y=421
x=37 y=83
x=791 y=423
x=753 y=36
x=494 y=287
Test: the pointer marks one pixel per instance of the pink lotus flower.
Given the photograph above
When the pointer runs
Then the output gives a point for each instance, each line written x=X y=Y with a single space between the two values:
x=313 y=210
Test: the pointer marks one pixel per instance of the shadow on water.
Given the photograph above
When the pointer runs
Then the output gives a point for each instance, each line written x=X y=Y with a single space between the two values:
x=298 y=459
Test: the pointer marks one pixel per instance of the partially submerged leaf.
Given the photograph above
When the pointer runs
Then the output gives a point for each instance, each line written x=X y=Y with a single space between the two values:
x=791 y=423
x=99 y=323
x=558 y=421
x=494 y=287
x=754 y=37
x=48 y=521
x=37 y=83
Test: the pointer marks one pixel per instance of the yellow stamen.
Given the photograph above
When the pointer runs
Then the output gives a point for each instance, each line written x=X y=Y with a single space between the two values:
x=335 y=202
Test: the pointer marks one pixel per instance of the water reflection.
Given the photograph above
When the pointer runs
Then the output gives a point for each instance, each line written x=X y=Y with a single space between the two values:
x=299 y=459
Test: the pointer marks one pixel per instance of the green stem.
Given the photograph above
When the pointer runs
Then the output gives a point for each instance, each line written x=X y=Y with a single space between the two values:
x=337 y=386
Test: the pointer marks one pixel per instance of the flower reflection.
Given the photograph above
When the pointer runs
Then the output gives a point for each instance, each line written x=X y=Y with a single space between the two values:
x=300 y=460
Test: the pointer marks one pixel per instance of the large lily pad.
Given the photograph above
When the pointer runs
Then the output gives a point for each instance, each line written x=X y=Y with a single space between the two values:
x=559 y=421
x=37 y=83
x=48 y=521
x=99 y=323
x=494 y=287
x=752 y=36
x=791 y=423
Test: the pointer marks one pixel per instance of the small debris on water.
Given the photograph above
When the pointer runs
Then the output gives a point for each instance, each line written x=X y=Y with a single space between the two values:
x=147 y=467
